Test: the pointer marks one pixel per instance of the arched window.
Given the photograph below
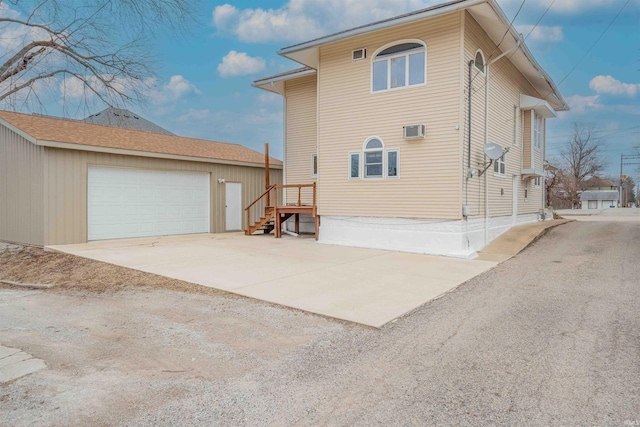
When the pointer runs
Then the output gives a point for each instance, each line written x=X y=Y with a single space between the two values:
x=479 y=61
x=373 y=158
x=400 y=65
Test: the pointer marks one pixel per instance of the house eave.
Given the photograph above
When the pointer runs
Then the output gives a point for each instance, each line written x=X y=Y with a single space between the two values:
x=540 y=106
x=109 y=150
x=486 y=12
x=531 y=173
x=299 y=52
x=275 y=84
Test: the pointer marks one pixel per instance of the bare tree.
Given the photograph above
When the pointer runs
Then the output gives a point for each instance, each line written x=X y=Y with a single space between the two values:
x=581 y=160
x=97 y=49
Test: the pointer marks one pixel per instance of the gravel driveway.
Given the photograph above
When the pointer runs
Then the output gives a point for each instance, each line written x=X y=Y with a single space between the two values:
x=549 y=337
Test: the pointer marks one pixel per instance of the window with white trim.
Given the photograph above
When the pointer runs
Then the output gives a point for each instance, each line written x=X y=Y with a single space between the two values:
x=377 y=163
x=500 y=167
x=393 y=161
x=538 y=131
x=398 y=66
x=516 y=124
x=537 y=182
x=478 y=61
x=354 y=165
x=373 y=158
x=314 y=165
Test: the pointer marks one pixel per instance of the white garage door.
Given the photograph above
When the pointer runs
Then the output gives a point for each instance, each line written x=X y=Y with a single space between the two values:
x=125 y=203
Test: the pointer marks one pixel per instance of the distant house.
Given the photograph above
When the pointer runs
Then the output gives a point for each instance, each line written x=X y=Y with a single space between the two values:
x=382 y=121
x=120 y=118
x=599 y=199
x=65 y=181
x=599 y=184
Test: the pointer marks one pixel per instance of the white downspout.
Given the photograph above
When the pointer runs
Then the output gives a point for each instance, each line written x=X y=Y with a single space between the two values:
x=486 y=134
x=486 y=141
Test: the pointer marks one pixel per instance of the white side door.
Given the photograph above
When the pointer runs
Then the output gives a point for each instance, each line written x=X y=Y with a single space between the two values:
x=233 y=192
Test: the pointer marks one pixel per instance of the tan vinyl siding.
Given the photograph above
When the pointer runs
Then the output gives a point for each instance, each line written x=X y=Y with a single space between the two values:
x=429 y=182
x=301 y=134
x=66 y=188
x=21 y=196
x=505 y=85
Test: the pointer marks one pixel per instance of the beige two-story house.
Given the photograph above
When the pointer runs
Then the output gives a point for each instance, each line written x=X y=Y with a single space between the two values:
x=391 y=119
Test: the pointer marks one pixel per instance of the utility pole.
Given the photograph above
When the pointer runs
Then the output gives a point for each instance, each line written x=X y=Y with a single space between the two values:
x=628 y=160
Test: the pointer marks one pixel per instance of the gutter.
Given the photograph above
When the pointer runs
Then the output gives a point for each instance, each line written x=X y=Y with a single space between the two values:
x=381 y=26
x=272 y=80
x=125 y=152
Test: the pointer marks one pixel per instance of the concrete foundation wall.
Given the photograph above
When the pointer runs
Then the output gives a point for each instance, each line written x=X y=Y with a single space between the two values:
x=457 y=238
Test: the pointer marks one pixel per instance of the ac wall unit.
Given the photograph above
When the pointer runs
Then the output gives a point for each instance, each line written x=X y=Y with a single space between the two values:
x=414 y=131
x=359 y=54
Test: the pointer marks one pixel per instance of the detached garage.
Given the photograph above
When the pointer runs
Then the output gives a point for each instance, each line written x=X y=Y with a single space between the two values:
x=64 y=181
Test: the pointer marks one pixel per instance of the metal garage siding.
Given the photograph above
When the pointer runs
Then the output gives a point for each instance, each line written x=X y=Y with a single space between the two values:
x=66 y=188
x=21 y=192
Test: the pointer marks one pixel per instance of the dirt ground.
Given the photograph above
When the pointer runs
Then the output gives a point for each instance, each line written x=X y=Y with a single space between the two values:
x=67 y=272
x=119 y=342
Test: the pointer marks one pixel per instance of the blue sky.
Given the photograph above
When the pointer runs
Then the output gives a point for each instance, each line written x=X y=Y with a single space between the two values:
x=204 y=79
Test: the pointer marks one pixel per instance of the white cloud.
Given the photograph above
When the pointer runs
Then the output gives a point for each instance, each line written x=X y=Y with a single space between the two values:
x=76 y=88
x=194 y=115
x=177 y=88
x=299 y=20
x=610 y=86
x=542 y=33
x=7 y=12
x=240 y=64
x=305 y=19
x=223 y=15
x=581 y=104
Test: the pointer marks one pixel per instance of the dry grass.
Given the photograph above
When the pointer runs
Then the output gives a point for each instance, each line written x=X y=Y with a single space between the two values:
x=34 y=265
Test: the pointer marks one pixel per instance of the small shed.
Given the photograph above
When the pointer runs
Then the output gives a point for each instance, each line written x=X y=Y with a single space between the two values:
x=66 y=181
x=599 y=199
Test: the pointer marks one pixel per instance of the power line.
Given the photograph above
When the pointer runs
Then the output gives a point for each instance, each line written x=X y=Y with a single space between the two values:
x=505 y=35
x=581 y=59
x=598 y=135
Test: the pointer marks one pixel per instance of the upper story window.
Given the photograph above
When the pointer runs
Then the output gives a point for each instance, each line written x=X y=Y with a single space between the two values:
x=538 y=131
x=478 y=61
x=398 y=66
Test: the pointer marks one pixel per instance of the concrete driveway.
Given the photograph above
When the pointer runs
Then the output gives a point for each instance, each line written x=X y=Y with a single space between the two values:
x=366 y=286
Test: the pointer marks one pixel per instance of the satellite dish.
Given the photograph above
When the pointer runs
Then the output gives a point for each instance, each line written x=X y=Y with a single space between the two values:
x=493 y=151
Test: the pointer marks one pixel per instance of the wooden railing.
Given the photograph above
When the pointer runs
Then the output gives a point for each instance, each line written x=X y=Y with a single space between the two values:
x=271 y=201
x=300 y=187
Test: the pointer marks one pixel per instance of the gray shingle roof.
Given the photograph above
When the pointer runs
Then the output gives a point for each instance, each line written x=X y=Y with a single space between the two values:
x=120 y=118
x=599 y=195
